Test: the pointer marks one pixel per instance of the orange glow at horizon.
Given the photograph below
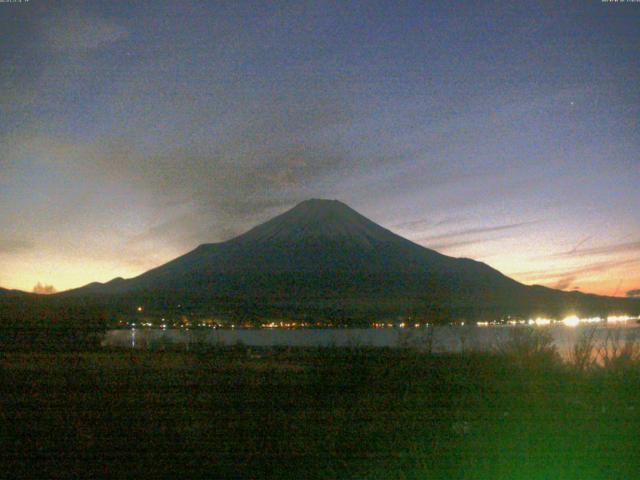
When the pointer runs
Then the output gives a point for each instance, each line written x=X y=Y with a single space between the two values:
x=63 y=274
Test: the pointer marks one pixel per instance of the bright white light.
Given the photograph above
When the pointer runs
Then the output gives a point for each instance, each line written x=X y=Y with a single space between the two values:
x=592 y=320
x=571 y=321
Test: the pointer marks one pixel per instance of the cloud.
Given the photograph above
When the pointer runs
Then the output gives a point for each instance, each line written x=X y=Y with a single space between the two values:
x=546 y=275
x=469 y=236
x=180 y=196
x=269 y=160
x=442 y=246
x=564 y=283
x=579 y=244
x=624 y=247
x=634 y=293
x=76 y=32
x=475 y=231
x=44 y=289
x=427 y=223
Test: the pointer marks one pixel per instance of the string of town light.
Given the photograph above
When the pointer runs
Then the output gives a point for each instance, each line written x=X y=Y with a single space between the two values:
x=185 y=323
x=569 y=321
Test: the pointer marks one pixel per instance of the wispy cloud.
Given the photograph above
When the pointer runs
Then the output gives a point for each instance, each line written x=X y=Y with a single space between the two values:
x=427 y=223
x=548 y=275
x=442 y=246
x=475 y=231
x=579 y=244
x=617 y=248
x=564 y=283
x=74 y=32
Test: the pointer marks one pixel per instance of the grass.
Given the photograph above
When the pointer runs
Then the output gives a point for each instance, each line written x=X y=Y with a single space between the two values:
x=233 y=412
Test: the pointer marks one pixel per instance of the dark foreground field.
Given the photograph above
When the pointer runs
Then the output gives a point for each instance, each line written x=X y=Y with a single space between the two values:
x=332 y=413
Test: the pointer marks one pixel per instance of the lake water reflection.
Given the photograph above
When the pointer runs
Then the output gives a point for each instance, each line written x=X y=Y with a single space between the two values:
x=441 y=338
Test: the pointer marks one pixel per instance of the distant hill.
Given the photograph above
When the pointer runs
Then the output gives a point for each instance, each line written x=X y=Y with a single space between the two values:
x=322 y=258
x=12 y=293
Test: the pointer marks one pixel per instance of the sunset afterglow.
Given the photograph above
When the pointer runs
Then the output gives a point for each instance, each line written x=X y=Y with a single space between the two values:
x=479 y=132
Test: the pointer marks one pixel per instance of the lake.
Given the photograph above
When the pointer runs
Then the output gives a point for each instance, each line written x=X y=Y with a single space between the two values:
x=442 y=338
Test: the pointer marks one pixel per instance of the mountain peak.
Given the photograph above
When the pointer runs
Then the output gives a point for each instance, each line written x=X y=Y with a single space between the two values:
x=318 y=219
x=324 y=210
x=321 y=203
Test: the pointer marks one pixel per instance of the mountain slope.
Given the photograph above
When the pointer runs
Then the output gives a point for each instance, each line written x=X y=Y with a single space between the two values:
x=322 y=257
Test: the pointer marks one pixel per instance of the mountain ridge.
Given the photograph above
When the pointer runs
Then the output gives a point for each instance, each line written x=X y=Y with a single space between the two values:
x=13 y=292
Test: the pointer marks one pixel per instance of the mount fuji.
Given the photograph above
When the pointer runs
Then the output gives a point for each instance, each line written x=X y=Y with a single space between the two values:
x=322 y=258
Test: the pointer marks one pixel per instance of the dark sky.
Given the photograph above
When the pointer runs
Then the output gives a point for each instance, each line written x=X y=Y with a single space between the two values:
x=508 y=132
